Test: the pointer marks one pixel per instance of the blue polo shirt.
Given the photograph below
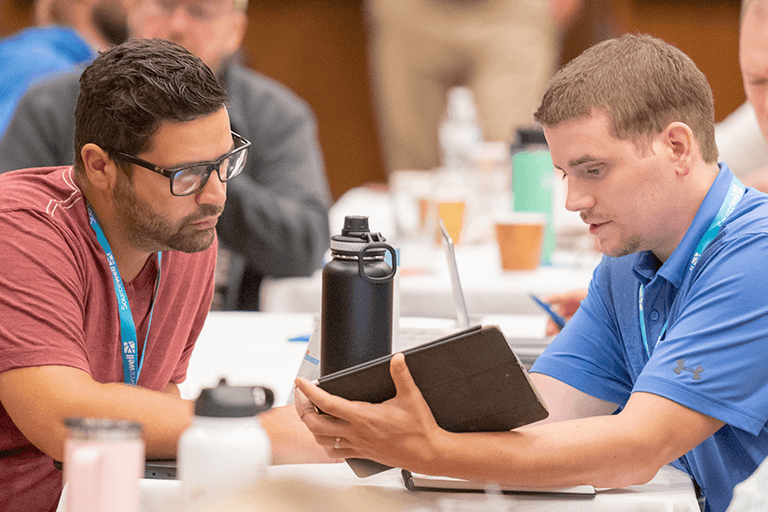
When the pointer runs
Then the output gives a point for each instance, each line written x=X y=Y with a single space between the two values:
x=713 y=357
x=32 y=55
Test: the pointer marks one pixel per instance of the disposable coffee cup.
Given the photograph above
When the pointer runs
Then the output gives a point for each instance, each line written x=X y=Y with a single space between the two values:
x=519 y=236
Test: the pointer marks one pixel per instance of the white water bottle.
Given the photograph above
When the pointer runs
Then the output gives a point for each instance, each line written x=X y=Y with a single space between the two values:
x=460 y=132
x=225 y=450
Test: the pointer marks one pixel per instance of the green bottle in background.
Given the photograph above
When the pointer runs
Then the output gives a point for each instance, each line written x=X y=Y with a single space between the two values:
x=533 y=178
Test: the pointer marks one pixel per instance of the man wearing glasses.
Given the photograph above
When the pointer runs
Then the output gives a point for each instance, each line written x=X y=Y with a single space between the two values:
x=108 y=265
x=276 y=221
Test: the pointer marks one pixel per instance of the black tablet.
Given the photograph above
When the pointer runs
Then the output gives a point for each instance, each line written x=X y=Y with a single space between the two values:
x=471 y=380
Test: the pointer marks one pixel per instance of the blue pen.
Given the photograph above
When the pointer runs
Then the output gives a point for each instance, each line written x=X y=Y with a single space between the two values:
x=559 y=320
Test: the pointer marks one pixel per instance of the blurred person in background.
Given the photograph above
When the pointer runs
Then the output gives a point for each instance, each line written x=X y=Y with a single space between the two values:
x=503 y=50
x=741 y=137
x=67 y=33
x=753 y=61
x=276 y=220
x=740 y=141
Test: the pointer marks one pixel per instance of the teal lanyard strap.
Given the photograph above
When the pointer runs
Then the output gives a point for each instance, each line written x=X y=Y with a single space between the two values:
x=128 y=336
x=730 y=202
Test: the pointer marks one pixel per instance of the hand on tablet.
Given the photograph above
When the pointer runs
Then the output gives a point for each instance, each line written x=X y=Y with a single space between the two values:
x=395 y=432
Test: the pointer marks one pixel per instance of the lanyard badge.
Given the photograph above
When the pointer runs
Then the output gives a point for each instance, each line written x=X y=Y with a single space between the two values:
x=128 y=337
x=735 y=194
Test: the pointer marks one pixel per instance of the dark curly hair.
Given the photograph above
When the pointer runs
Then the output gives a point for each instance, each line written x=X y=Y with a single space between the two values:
x=131 y=88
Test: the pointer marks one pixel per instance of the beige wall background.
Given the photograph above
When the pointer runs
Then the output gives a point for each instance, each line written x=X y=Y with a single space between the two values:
x=318 y=49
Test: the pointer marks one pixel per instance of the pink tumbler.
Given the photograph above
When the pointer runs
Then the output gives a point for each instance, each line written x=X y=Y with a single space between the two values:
x=103 y=462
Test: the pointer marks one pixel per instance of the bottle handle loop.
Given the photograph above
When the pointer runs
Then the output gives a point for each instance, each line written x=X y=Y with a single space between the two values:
x=361 y=262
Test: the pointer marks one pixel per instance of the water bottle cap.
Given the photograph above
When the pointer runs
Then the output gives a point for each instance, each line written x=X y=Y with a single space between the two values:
x=530 y=135
x=354 y=235
x=225 y=401
x=355 y=224
x=461 y=104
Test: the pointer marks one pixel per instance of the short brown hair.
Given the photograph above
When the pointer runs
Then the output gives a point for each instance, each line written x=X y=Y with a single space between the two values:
x=131 y=88
x=642 y=83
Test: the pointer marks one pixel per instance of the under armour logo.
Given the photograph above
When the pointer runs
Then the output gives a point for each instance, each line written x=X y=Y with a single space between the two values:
x=681 y=367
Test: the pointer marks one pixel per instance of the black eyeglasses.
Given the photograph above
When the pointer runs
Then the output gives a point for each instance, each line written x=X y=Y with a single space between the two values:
x=191 y=178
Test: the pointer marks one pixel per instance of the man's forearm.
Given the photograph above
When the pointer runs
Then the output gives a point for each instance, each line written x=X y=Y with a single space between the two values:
x=164 y=416
x=39 y=399
x=553 y=455
x=605 y=451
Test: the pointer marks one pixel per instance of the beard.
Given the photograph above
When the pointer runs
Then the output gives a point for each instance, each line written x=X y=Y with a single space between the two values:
x=629 y=245
x=149 y=231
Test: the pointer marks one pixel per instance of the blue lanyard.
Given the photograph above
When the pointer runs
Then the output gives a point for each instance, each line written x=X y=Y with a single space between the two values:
x=729 y=204
x=131 y=369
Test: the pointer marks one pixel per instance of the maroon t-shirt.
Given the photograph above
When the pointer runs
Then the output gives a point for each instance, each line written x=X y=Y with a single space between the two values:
x=58 y=307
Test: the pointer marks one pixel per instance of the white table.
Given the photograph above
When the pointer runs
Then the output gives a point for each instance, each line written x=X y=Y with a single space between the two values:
x=670 y=491
x=427 y=292
x=248 y=349
x=424 y=282
x=254 y=348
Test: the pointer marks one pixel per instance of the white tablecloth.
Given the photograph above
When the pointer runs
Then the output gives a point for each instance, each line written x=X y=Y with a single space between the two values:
x=425 y=286
x=670 y=491
x=248 y=349
x=424 y=282
x=255 y=348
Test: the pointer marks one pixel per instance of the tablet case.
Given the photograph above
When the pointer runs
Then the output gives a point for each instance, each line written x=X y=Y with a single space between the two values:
x=471 y=380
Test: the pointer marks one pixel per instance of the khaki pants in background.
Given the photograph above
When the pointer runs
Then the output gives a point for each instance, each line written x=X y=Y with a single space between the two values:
x=504 y=50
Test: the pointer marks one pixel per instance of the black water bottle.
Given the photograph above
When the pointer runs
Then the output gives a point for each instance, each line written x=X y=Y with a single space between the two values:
x=358 y=285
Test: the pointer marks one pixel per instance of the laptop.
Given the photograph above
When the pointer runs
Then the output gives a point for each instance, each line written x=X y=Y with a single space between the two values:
x=525 y=333
x=160 y=469
x=406 y=336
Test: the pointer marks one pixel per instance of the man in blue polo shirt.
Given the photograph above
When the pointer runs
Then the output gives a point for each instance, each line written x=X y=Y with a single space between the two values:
x=665 y=361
